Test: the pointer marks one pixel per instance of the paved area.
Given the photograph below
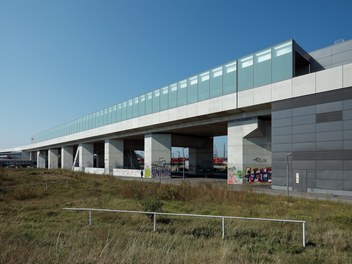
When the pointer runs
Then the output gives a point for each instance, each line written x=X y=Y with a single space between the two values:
x=222 y=183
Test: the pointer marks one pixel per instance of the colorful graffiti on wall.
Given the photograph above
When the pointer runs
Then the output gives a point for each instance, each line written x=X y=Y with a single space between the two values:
x=256 y=175
x=250 y=175
x=159 y=169
x=234 y=176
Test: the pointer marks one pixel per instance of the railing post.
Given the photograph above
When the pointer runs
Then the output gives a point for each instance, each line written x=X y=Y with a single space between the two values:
x=304 y=234
x=90 y=217
x=46 y=186
x=223 y=227
x=154 y=218
x=67 y=183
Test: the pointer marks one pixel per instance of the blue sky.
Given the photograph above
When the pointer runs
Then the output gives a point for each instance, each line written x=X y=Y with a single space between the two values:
x=62 y=59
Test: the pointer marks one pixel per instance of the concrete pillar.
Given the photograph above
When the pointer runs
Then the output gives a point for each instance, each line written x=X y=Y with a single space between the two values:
x=236 y=131
x=201 y=158
x=86 y=156
x=157 y=154
x=41 y=159
x=67 y=158
x=113 y=154
x=53 y=158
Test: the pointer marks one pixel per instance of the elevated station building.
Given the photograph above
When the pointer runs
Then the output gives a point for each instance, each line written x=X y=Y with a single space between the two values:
x=280 y=107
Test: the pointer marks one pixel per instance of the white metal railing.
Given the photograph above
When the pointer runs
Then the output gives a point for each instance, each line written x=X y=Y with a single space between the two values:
x=90 y=210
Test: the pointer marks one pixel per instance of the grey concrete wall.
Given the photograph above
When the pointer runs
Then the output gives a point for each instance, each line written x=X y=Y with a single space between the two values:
x=332 y=56
x=249 y=143
x=86 y=158
x=157 y=153
x=257 y=147
x=67 y=157
x=317 y=130
x=53 y=158
x=42 y=159
x=237 y=130
x=113 y=153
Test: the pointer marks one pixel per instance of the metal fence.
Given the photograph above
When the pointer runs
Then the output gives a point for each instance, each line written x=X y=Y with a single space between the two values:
x=90 y=210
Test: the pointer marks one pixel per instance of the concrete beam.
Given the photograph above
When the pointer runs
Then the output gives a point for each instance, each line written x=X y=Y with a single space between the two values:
x=188 y=141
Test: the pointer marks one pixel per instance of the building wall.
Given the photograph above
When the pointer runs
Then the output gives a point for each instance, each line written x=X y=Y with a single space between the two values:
x=332 y=56
x=257 y=147
x=317 y=130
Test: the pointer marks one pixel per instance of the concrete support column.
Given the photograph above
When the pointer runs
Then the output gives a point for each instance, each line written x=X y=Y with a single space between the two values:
x=201 y=158
x=67 y=158
x=236 y=131
x=53 y=158
x=86 y=156
x=157 y=153
x=113 y=154
x=41 y=159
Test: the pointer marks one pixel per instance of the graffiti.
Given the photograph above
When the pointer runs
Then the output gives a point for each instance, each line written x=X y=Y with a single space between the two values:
x=160 y=168
x=257 y=159
x=234 y=176
x=255 y=175
x=147 y=172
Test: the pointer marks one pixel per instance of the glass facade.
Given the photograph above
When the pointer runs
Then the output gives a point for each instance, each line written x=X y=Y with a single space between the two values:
x=261 y=68
x=282 y=65
x=230 y=78
x=203 y=86
x=245 y=73
x=164 y=99
x=173 y=95
x=192 y=91
x=216 y=82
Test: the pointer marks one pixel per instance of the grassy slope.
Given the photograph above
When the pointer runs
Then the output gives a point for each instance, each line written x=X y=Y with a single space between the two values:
x=35 y=229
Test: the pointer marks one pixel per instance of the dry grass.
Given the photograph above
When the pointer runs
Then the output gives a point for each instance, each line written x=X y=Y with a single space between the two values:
x=35 y=229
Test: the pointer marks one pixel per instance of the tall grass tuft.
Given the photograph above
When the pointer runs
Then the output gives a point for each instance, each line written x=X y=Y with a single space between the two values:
x=29 y=192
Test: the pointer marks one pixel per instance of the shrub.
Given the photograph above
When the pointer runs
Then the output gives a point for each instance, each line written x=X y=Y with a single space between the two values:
x=151 y=205
x=149 y=199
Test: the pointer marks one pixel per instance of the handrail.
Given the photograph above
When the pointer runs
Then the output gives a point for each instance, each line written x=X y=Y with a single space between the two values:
x=222 y=217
